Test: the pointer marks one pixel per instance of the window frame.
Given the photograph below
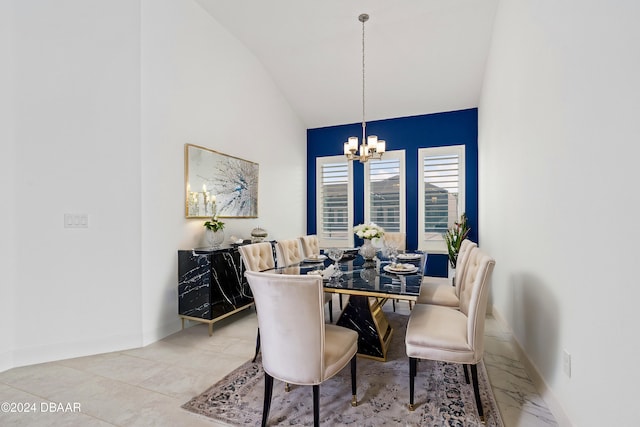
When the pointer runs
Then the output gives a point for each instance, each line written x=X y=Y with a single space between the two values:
x=438 y=245
x=399 y=155
x=324 y=242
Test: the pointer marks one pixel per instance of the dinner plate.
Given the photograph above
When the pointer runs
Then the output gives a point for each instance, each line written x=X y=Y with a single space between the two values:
x=405 y=269
x=320 y=258
x=409 y=256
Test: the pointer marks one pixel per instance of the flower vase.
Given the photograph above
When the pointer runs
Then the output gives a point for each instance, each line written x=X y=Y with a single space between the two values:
x=367 y=250
x=215 y=238
x=452 y=274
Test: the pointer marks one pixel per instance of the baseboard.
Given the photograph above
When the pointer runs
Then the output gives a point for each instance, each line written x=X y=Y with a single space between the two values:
x=540 y=384
x=59 y=351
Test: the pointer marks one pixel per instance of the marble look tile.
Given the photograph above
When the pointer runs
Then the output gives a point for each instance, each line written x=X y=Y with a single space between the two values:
x=46 y=379
x=517 y=398
x=147 y=386
x=42 y=415
x=118 y=366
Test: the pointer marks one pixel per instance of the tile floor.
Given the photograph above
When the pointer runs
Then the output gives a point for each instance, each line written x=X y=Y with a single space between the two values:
x=147 y=386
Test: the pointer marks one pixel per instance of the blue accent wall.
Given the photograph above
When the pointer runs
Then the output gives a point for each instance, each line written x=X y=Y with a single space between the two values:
x=409 y=134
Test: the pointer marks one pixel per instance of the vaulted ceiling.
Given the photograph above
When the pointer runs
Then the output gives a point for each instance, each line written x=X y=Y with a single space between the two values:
x=421 y=56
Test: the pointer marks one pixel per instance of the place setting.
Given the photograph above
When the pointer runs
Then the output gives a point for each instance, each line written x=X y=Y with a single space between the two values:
x=315 y=258
x=400 y=268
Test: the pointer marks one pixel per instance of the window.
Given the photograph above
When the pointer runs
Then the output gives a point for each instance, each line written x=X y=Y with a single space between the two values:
x=440 y=194
x=384 y=189
x=334 y=201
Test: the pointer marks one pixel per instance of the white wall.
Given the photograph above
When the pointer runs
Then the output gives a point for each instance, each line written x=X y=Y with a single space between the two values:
x=558 y=174
x=7 y=186
x=76 y=131
x=106 y=95
x=200 y=85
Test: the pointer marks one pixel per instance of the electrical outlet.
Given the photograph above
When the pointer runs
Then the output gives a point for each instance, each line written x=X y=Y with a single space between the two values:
x=566 y=363
x=76 y=220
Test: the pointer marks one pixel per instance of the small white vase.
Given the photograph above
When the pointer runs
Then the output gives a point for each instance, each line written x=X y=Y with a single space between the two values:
x=367 y=250
x=452 y=274
x=215 y=238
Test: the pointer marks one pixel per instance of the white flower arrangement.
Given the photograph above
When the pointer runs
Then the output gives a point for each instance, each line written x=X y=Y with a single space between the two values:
x=368 y=231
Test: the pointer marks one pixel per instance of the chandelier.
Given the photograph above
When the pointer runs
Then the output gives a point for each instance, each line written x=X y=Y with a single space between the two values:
x=371 y=147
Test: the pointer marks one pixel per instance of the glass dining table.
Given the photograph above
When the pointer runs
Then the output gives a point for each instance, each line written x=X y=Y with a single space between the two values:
x=369 y=284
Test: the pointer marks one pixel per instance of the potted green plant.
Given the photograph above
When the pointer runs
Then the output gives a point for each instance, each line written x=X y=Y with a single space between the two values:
x=454 y=237
x=215 y=235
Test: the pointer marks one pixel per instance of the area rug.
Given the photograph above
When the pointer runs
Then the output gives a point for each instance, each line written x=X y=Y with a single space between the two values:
x=442 y=396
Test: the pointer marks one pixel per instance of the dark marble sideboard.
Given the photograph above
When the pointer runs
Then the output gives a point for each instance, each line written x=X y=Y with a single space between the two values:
x=211 y=285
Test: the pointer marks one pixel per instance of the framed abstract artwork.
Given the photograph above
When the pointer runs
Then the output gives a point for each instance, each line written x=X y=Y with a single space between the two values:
x=219 y=184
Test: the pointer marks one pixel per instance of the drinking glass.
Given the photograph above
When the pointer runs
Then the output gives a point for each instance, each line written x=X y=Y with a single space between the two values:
x=335 y=254
x=392 y=252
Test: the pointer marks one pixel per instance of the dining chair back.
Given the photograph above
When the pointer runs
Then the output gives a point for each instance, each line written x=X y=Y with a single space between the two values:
x=397 y=239
x=310 y=245
x=257 y=256
x=288 y=252
x=439 y=290
x=298 y=347
x=456 y=336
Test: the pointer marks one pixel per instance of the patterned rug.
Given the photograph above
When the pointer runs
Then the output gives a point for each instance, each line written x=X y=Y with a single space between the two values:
x=442 y=396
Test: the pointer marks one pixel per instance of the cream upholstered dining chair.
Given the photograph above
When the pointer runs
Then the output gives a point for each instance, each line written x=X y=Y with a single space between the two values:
x=310 y=245
x=396 y=239
x=310 y=248
x=438 y=290
x=456 y=336
x=297 y=346
x=289 y=252
x=257 y=257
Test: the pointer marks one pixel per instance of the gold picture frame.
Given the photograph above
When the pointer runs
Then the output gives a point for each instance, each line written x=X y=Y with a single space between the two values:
x=217 y=184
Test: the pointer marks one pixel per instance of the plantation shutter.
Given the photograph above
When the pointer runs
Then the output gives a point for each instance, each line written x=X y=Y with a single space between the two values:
x=385 y=191
x=334 y=202
x=441 y=191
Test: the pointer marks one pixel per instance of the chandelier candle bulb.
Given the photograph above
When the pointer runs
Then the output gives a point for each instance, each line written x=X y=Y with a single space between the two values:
x=382 y=146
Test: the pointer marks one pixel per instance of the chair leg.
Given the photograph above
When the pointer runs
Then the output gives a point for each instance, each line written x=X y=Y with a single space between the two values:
x=316 y=405
x=331 y=310
x=466 y=373
x=476 y=391
x=268 y=389
x=393 y=301
x=354 y=395
x=412 y=377
x=257 y=346
x=340 y=299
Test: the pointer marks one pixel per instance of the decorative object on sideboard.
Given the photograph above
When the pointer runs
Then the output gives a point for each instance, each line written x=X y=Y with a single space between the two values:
x=214 y=232
x=258 y=235
x=229 y=184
